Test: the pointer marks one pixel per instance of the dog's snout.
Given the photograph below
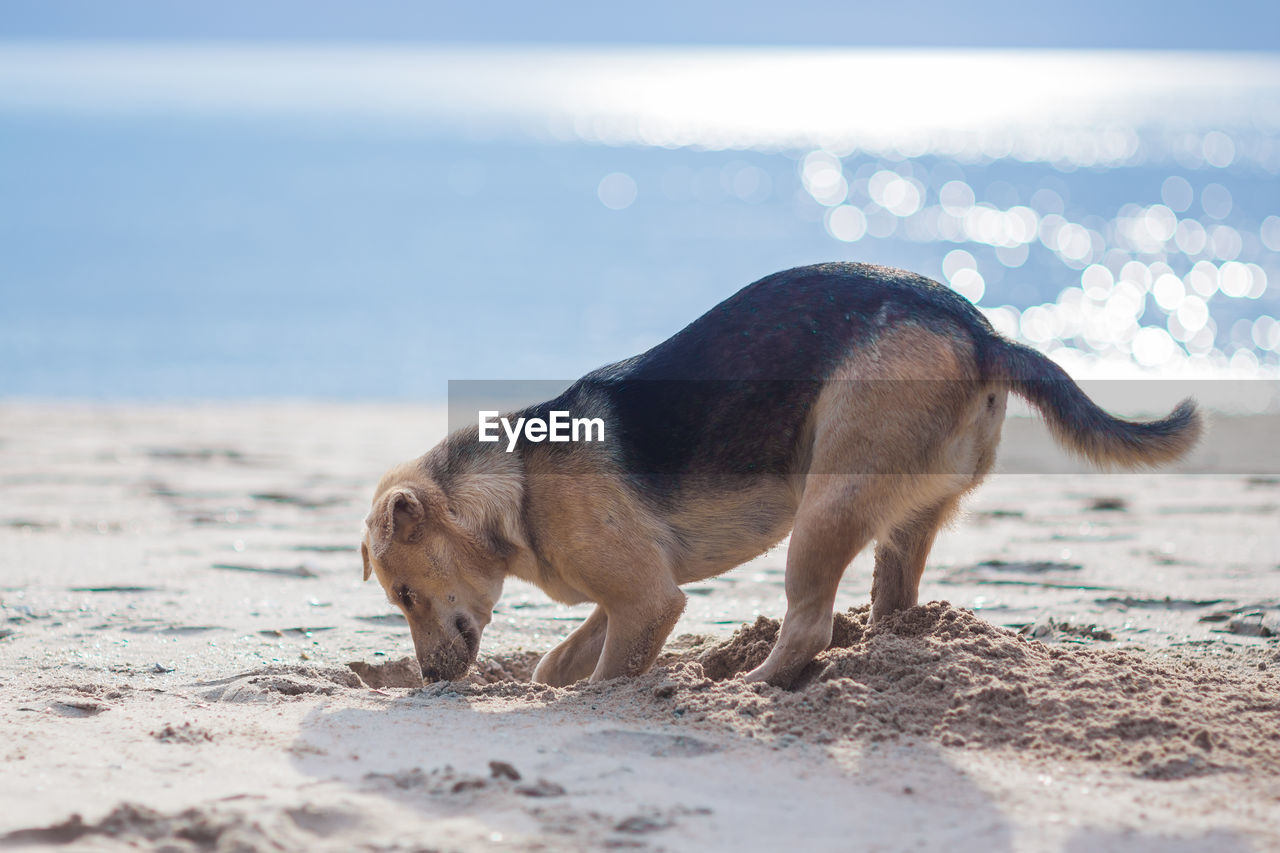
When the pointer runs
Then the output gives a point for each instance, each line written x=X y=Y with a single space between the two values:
x=450 y=669
x=469 y=632
x=447 y=656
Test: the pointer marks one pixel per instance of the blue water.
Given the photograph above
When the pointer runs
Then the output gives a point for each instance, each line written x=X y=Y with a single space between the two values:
x=226 y=259
x=220 y=257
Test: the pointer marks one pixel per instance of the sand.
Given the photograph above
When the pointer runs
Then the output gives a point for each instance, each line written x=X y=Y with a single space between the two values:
x=190 y=662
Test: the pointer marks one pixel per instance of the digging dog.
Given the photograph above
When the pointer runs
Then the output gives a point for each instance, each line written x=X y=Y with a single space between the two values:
x=845 y=404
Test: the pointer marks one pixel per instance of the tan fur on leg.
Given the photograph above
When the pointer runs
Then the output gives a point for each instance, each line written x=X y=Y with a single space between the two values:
x=636 y=633
x=900 y=559
x=830 y=529
x=575 y=658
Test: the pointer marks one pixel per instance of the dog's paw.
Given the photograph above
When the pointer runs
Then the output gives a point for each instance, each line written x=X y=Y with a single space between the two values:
x=767 y=674
x=787 y=678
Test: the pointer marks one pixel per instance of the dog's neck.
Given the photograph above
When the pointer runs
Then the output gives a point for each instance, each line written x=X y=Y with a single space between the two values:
x=486 y=486
x=485 y=489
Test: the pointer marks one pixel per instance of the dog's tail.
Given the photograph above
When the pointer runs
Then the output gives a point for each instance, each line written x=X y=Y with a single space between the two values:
x=1079 y=425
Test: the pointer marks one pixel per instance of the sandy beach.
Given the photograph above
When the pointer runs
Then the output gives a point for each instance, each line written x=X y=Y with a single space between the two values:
x=1098 y=669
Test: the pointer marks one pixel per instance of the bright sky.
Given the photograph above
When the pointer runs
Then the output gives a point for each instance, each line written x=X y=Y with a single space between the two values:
x=1249 y=25
x=900 y=99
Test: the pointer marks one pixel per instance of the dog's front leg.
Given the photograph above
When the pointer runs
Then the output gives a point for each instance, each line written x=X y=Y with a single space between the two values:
x=576 y=657
x=637 y=629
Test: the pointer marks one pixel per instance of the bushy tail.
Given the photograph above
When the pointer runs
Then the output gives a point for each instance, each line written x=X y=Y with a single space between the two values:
x=1079 y=425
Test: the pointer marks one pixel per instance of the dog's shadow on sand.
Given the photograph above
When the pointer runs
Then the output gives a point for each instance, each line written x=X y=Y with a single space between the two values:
x=592 y=770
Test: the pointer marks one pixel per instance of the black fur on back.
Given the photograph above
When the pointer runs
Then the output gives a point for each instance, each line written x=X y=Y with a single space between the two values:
x=730 y=393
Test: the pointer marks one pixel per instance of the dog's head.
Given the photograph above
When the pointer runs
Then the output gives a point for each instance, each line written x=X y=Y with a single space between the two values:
x=443 y=570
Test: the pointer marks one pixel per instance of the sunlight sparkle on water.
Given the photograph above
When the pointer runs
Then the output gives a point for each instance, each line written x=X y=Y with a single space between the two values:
x=1150 y=278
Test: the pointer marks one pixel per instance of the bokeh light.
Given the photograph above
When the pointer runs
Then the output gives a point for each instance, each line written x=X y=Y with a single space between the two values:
x=1155 y=283
x=846 y=223
x=617 y=190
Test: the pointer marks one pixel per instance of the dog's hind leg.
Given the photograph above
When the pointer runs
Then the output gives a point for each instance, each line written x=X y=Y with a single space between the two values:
x=900 y=558
x=832 y=525
x=964 y=459
x=576 y=657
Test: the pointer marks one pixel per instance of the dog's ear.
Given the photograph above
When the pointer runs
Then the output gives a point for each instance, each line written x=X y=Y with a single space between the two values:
x=364 y=555
x=397 y=517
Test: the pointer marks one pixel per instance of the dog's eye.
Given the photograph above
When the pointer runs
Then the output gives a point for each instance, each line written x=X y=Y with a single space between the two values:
x=406 y=597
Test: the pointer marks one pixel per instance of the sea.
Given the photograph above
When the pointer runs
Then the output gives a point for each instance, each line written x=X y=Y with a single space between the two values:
x=195 y=221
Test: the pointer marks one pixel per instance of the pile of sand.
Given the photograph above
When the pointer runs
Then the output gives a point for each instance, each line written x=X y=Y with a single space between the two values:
x=942 y=674
x=933 y=673
x=509 y=669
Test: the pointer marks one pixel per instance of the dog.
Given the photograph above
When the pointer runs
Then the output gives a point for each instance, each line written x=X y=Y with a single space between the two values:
x=841 y=403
